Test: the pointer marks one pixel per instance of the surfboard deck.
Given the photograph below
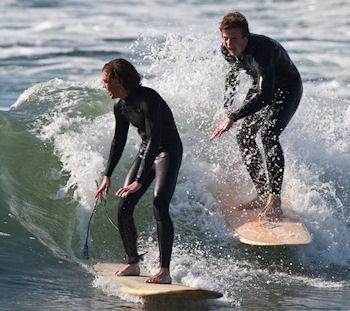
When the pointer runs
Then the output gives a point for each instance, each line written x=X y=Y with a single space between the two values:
x=290 y=230
x=137 y=286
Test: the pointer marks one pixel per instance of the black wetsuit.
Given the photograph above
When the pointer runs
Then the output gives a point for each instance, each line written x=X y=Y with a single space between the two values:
x=268 y=106
x=159 y=158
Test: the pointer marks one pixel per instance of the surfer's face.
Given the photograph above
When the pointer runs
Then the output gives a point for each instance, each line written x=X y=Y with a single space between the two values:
x=234 y=41
x=113 y=86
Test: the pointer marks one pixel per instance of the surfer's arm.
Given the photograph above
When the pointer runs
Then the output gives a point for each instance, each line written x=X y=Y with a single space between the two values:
x=118 y=142
x=264 y=96
x=117 y=147
x=231 y=83
x=152 y=111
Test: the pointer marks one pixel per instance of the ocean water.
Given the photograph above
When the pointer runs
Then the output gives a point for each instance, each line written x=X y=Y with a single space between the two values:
x=56 y=125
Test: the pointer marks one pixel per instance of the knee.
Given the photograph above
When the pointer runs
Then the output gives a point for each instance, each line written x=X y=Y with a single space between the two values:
x=269 y=138
x=245 y=138
x=161 y=208
x=271 y=144
x=125 y=210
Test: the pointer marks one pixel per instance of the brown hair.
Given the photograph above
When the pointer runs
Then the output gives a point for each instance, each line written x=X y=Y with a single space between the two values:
x=235 y=20
x=123 y=70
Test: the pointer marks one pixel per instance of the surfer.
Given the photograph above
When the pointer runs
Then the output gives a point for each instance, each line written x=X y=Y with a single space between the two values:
x=268 y=106
x=159 y=157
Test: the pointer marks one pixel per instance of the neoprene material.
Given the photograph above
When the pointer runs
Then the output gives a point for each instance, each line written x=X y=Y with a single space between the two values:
x=159 y=158
x=268 y=107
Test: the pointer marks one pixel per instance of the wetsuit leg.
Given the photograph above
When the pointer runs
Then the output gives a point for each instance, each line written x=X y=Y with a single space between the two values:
x=252 y=158
x=167 y=166
x=126 y=208
x=285 y=104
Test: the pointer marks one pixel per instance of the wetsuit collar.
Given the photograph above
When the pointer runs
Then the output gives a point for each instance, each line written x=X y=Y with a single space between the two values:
x=249 y=47
x=132 y=94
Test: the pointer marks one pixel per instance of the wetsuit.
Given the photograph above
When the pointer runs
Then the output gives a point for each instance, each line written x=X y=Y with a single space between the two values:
x=159 y=157
x=269 y=105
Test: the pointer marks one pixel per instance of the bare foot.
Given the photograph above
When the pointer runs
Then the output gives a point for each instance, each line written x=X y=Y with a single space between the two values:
x=257 y=202
x=162 y=277
x=129 y=270
x=272 y=210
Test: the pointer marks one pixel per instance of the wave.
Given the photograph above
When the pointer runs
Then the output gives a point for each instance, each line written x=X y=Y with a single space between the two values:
x=56 y=139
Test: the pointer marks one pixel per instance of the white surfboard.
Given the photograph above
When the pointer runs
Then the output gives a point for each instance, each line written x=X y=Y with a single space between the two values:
x=137 y=286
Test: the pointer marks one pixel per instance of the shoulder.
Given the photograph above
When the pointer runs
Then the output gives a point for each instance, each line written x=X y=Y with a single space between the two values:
x=261 y=41
x=263 y=49
x=267 y=44
x=149 y=93
x=149 y=97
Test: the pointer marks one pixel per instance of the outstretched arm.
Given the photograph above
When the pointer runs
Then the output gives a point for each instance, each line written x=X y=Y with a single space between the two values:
x=231 y=83
x=266 y=86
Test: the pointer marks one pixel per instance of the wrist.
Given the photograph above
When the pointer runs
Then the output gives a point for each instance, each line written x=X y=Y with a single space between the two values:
x=232 y=117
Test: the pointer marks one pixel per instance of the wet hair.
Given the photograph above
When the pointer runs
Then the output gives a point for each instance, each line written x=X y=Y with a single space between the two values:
x=235 y=20
x=124 y=71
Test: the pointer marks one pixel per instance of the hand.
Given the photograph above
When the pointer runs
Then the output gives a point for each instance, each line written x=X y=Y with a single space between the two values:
x=223 y=127
x=125 y=191
x=103 y=188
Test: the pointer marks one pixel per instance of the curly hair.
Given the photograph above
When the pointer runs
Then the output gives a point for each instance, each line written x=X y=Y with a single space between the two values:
x=123 y=70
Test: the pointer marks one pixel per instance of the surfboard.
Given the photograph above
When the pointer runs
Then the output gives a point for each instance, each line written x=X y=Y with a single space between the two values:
x=244 y=223
x=137 y=286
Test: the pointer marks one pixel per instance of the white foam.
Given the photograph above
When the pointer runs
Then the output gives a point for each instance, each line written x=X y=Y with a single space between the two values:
x=183 y=63
x=112 y=289
x=4 y=234
x=188 y=71
x=192 y=83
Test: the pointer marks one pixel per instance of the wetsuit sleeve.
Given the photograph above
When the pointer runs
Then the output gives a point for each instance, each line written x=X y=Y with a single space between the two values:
x=118 y=142
x=266 y=86
x=231 y=82
x=153 y=121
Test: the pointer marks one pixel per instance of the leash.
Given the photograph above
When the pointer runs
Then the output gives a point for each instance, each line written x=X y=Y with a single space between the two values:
x=103 y=200
x=86 y=246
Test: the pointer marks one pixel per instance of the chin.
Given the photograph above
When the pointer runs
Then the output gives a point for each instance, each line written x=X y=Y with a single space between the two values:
x=232 y=53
